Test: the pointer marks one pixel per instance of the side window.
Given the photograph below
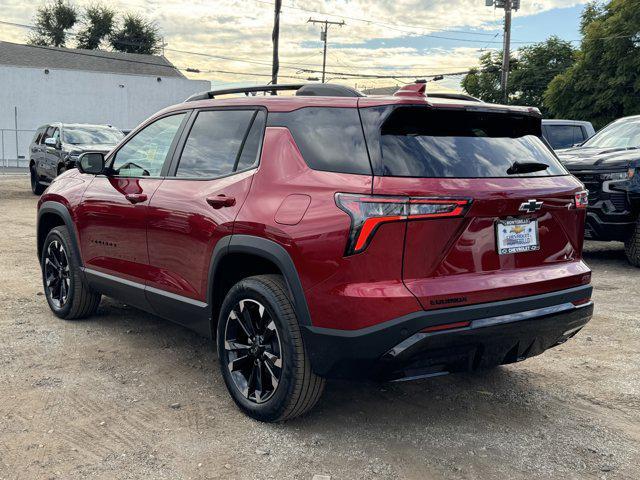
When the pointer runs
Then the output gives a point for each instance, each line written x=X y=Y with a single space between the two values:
x=38 y=136
x=145 y=153
x=330 y=139
x=56 y=135
x=251 y=149
x=47 y=134
x=561 y=136
x=214 y=143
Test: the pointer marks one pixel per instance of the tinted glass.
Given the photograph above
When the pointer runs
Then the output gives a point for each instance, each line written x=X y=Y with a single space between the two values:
x=420 y=142
x=38 y=136
x=329 y=139
x=251 y=150
x=620 y=134
x=145 y=153
x=91 y=135
x=47 y=134
x=214 y=143
x=564 y=136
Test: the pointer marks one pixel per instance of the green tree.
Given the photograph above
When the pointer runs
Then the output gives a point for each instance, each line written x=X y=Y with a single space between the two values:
x=51 y=22
x=136 y=35
x=604 y=83
x=97 y=24
x=538 y=64
x=484 y=82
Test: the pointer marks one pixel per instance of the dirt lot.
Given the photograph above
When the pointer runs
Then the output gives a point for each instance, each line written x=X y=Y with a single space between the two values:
x=92 y=399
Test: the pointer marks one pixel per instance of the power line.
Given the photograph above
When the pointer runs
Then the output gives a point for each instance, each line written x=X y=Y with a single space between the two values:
x=372 y=21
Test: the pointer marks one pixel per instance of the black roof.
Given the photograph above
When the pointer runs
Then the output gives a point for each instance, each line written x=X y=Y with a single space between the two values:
x=88 y=60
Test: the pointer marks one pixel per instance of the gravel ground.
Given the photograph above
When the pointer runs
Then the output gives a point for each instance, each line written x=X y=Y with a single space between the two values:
x=126 y=395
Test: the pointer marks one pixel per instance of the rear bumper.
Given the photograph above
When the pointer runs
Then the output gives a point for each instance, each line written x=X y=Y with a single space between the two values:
x=498 y=333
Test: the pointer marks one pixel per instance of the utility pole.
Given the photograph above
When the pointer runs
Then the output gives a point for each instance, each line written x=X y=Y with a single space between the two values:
x=276 y=40
x=323 y=37
x=508 y=6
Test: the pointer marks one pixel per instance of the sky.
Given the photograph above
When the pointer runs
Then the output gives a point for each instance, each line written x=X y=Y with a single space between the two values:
x=415 y=38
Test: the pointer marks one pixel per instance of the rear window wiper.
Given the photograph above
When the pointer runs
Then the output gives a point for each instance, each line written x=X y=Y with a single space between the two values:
x=526 y=167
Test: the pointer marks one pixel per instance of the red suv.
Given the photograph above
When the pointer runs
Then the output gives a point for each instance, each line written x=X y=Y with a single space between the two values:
x=328 y=235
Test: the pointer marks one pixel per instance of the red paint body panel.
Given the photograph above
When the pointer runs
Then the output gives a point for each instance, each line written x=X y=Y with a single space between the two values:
x=183 y=230
x=113 y=231
x=344 y=293
x=457 y=258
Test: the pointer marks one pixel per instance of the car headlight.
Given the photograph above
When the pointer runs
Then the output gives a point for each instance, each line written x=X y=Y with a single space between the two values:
x=617 y=175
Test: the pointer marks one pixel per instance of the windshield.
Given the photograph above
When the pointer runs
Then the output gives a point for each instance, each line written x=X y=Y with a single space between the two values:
x=91 y=135
x=624 y=134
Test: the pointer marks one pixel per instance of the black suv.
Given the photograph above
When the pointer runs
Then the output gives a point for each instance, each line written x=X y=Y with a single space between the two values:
x=57 y=146
x=608 y=165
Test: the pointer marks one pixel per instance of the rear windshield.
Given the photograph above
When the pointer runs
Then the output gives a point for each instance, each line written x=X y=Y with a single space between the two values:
x=423 y=142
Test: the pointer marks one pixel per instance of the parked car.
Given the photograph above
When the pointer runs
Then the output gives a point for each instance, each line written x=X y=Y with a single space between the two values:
x=566 y=133
x=328 y=235
x=607 y=164
x=56 y=147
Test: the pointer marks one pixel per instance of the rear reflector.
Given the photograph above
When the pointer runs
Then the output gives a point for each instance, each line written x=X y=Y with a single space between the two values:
x=582 y=301
x=446 y=326
x=368 y=212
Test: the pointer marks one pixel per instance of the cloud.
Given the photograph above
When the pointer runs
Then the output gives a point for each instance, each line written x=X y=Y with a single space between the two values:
x=242 y=30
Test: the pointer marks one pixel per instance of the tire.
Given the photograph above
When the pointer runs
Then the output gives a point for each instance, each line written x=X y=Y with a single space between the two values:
x=36 y=187
x=61 y=169
x=632 y=246
x=297 y=389
x=70 y=296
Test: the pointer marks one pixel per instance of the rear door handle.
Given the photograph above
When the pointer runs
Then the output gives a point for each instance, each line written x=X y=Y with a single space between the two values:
x=136 y=197
x=220 y=201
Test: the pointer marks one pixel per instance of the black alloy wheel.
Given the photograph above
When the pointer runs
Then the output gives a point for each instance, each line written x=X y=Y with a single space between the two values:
x=261 y=354
x=57 y=275
x=253 y=350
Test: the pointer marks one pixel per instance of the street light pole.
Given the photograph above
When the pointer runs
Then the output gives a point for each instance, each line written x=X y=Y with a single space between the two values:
x=324 y=37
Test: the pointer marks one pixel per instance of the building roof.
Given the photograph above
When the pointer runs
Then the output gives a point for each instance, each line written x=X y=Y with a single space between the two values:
x=88 y=60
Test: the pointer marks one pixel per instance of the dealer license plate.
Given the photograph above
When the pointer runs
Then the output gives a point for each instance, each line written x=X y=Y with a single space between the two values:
x=517 y=235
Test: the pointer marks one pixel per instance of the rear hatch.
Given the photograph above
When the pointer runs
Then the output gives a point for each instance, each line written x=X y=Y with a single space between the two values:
x=514 y=227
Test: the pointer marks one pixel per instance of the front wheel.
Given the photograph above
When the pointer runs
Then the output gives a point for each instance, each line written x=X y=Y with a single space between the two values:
x=262 y=358
x=632 y=246
x=66 y=290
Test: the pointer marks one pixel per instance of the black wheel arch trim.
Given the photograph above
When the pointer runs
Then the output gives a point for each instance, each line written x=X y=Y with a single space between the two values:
x=61 y=211
x=269 y=250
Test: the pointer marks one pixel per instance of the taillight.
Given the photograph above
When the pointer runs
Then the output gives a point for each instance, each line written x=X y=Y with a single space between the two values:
x=368 y=212
x=582 y=199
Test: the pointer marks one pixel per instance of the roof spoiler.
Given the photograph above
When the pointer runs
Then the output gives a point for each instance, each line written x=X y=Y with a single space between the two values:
x=301 y=89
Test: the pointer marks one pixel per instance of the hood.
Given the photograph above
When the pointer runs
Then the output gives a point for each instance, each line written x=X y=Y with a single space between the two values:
x=78 y=149
x=594 y=158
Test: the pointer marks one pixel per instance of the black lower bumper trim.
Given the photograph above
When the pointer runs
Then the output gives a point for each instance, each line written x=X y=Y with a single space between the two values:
x=498 y=333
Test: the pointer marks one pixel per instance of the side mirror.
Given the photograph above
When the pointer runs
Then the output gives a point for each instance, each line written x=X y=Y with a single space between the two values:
x=91 y=162
x=51 y=142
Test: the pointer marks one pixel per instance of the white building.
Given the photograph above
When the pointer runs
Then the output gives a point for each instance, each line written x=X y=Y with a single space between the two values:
x=39 y=85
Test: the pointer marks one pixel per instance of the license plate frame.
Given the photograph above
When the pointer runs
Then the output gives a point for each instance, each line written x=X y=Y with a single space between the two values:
x=509 y=240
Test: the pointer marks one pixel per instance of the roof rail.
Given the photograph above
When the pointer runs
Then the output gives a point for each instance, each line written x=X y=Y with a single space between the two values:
x=246 y=90
x=303 y=89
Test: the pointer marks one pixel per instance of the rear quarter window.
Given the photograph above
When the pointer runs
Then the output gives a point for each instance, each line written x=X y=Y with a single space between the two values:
x=429 y=143
x=330 y=139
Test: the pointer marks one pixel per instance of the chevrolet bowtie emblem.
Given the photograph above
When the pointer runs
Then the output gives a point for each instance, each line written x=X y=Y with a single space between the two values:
x=530 y=206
